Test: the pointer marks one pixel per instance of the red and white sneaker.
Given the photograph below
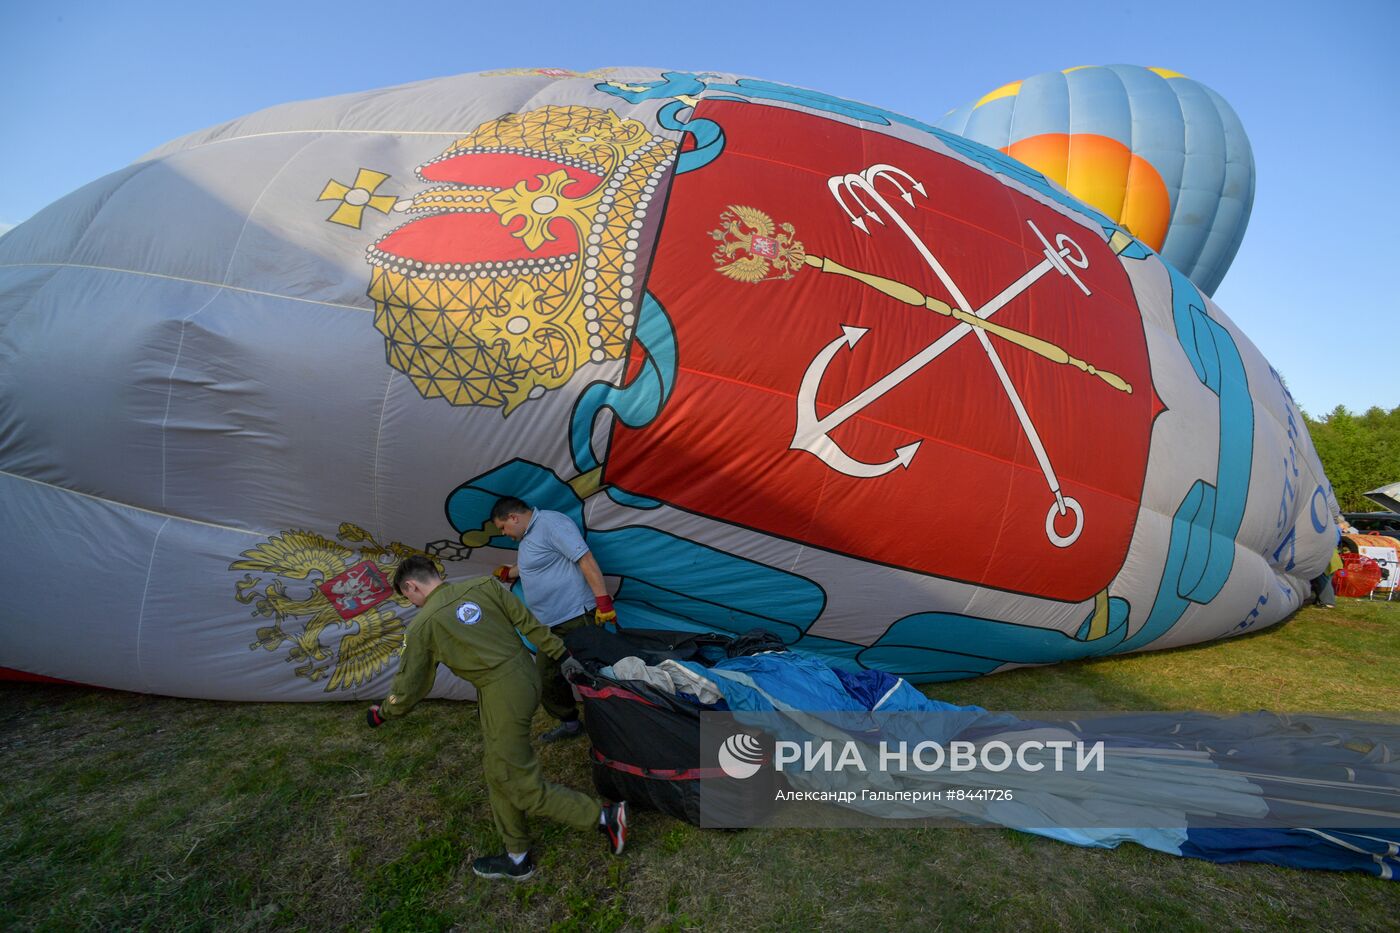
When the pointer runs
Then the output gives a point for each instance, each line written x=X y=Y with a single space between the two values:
x=615 y=826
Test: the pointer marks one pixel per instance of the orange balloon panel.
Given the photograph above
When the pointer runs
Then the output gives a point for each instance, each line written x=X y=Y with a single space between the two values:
x=1104 y=173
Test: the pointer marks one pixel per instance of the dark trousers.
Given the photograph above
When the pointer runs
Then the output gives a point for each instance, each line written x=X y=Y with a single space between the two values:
x=557 y=697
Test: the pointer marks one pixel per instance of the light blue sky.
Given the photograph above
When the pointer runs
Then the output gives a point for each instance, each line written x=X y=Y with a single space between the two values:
x=91 y=86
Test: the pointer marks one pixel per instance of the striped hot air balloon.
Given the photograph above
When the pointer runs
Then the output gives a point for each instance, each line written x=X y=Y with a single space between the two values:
x=1156 y=151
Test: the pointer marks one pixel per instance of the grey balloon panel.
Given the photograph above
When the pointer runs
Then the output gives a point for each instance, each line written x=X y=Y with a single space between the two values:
x=144 y=602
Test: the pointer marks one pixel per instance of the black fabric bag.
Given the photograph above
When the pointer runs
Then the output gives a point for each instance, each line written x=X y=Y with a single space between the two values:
x=646 y=742
x=598 y=646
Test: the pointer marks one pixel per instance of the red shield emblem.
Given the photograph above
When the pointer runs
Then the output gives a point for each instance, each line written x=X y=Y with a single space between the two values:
x=764 y=246
x=357 y=590
x=890 y=354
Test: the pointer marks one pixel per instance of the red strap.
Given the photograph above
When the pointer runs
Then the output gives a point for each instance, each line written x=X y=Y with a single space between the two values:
x=593 y=693
x=660 y=774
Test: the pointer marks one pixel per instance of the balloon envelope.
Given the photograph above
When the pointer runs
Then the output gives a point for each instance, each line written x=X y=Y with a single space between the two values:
x=789 y=361
x=1154 y=150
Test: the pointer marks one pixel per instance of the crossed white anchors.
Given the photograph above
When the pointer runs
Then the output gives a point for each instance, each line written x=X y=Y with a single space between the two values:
x=813 y=434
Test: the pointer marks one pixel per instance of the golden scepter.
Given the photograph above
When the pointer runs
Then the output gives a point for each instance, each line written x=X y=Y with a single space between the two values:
x=771 y=247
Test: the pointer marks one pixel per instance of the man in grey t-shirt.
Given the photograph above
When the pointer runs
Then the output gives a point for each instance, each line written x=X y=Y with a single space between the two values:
x=563 y=588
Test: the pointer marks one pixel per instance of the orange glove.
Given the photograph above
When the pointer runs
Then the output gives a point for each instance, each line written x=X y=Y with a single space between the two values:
x=605 y=612
x=502 y=573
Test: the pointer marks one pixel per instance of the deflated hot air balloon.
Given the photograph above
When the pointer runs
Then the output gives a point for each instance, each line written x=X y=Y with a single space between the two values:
x=1163 y=155
x=789 y=361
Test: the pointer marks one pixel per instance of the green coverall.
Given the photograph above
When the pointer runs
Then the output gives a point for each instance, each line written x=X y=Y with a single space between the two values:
x=471 y=627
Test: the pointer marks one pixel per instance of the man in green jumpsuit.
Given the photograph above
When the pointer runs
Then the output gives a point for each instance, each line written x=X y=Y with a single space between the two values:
x=472 y=628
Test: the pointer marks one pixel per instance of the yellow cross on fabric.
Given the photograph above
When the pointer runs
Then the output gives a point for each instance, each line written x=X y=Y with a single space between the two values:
x=354 y=199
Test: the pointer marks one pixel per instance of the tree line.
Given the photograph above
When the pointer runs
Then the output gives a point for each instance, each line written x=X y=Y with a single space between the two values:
x=1359 y=452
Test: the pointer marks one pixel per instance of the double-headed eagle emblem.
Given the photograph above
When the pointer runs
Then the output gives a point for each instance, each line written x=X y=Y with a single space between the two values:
x=372 y=638
x=772 y=253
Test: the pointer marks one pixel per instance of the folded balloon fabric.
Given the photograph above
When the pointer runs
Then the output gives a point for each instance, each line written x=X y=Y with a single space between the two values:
x=1254 y=787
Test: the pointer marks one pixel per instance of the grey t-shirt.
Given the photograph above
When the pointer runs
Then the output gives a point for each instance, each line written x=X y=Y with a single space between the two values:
x=548 y=556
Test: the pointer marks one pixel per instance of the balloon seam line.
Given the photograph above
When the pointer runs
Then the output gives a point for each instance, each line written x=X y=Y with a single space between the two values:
x=378 y=449
x=141 y=613
x=189 y=281
x=170 y=396
x=127 y=505
x=158 y=154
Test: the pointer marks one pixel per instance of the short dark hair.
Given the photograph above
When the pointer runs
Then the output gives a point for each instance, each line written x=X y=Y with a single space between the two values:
x=508 y=505
x=415 y=567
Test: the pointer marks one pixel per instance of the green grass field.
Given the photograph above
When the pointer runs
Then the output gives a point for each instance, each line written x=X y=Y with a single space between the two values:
x=123 y=812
